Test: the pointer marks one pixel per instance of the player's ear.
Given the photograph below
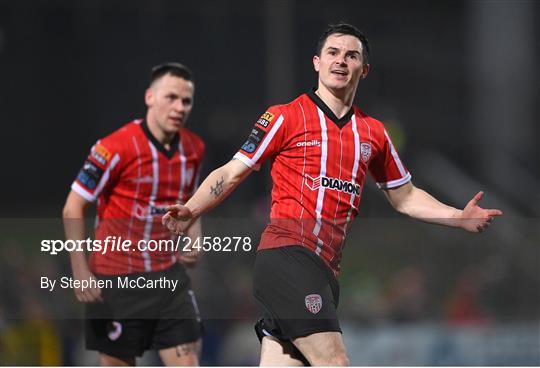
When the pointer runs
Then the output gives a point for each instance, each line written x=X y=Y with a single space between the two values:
x=316 y=63
x=149 y=97
x=365 y=71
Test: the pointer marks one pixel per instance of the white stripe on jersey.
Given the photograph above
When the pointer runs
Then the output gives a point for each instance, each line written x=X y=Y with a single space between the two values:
x=182 y=170
x=195 y=182
x=395 y=183
x=339 y=193
x=406 y=177
x=77 y=188
x=195 y=305
x=182 y=180
x=151 y=203
x=395 y=155
x=303 y=176
x=354 y=170
x=137 y=187
x=320 y=195
x=252 y=163
x=246 y=160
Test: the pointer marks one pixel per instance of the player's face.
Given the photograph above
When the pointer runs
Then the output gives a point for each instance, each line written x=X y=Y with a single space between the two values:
x=169 y=101
x=340 y=64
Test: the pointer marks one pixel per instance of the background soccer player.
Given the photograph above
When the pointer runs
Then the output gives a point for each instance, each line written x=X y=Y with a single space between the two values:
x=134 y=174
x=321 y=148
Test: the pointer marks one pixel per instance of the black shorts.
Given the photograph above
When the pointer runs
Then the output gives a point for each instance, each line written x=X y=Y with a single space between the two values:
x=297 y=292
x=132 y=320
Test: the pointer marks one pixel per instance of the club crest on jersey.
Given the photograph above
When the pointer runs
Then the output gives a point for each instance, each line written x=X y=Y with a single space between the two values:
x=365 y=151
x=333 y=184
x=265 y=119
x=313 y=303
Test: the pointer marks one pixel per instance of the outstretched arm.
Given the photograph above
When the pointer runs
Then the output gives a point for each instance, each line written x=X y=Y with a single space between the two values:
x=74 y=228
x=417 y=203
x=213 y=190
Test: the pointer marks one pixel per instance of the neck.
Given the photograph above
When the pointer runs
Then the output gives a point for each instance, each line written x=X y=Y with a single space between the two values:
x=158 y=133
x=339 y=102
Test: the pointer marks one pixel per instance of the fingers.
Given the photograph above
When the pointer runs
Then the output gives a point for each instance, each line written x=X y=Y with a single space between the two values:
x=95 y=295
x=80 y=296
x=166 y=218
x=494 y=212
x=477 y=198
x=174 y=226
x=183 y=213
x=178 y=211
x=487 y=221
x=177 y=219
x=89 y=295
x=173 y=208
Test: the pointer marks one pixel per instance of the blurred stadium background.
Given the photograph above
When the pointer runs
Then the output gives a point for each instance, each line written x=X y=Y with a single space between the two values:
x=456 y=82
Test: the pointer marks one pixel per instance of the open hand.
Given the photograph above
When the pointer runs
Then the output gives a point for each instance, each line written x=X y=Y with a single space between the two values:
x=177 y=219
x=89 y=294
x=475 y=218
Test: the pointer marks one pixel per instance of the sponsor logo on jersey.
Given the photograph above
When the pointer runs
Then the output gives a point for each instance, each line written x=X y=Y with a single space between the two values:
x=333 y=184
x=114 y=330
x=312 y=143
x=90 y=175
x=313 y=303
x=144 y=212
x=101 y=154
x=265 y=119
x=365 y=151
x=155 y=210
x=254 y=139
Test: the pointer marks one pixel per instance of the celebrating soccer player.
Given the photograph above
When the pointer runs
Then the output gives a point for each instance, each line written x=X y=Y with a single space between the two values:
x=321 y=148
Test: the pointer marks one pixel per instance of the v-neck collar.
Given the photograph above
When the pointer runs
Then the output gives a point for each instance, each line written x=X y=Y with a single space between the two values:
x=328 y=112
x=160 y=147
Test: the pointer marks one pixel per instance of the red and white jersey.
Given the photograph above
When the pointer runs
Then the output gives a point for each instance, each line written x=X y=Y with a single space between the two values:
x=318 y=167
x=134 y=178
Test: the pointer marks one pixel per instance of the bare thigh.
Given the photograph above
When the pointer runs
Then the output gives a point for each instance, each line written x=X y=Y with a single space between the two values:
x=108 y=361
x=323 y=349
x=182 y=355
x=275 y=352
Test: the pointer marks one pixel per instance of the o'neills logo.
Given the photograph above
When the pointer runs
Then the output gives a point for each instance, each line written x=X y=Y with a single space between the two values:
x=312 y=143
x=332 y=183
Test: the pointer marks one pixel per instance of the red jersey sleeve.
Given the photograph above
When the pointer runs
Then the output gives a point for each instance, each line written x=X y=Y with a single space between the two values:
x=201 y=149
x=387 y=168
x=99 y=170
x=265 y=139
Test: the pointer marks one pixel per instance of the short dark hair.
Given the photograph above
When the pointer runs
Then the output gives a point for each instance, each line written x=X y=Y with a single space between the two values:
x=176 y=69
x=346 y=29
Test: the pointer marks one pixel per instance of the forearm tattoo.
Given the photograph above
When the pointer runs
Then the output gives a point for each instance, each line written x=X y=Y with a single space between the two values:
x=218 y=189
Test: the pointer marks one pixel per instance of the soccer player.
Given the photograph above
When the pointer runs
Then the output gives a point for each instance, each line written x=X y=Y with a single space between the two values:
x=321 y=147
x=134 y=174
